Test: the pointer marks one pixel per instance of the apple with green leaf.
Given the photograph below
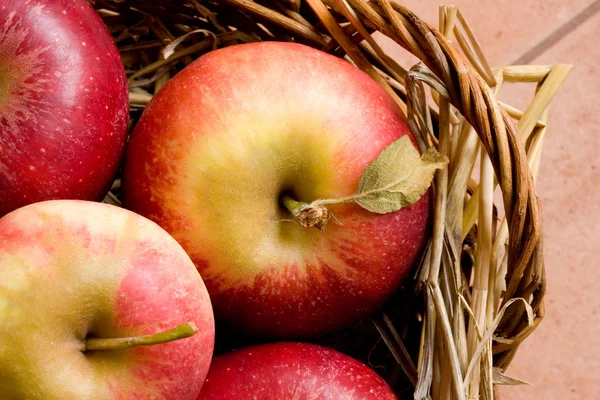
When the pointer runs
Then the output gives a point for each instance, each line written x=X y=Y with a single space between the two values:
x=248 y=150
x=97 y=302
x=291 y=371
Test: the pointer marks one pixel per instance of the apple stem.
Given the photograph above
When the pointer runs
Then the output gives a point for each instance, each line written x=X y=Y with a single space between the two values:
x=293 y=206
x=340 y=200
x=305 y=214
x=179 y=332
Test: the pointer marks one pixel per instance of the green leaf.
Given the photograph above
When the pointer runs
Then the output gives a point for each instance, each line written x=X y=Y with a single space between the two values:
x=398 y=177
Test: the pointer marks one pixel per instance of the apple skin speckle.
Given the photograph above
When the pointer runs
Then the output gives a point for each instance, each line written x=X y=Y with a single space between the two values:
x=291 y=371
x=56 y=93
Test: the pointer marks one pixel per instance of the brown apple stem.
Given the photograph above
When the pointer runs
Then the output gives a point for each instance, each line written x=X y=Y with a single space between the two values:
x=305 y=214
x=179 y=332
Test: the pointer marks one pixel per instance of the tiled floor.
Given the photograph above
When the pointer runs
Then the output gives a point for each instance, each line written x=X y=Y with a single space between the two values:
x=561 y=358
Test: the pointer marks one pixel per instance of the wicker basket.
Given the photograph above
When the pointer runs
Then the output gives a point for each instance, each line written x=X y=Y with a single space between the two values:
x=461 y=336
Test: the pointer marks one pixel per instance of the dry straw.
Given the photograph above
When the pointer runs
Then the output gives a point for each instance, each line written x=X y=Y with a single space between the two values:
x=479 y=290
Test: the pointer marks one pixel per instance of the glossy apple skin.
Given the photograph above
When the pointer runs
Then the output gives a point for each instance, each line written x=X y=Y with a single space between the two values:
x=291 y=371
x=71 y=269
x=221 y=142
x=63 y=103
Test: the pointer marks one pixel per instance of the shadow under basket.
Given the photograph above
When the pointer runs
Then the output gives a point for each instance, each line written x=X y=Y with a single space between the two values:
x=452 y=331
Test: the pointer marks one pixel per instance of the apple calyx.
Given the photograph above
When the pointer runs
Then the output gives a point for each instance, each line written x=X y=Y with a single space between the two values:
x=182 y=331
x=307 y=215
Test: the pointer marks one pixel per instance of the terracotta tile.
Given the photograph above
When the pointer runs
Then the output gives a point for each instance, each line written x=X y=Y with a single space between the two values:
x=506 y=29
x=561 y=358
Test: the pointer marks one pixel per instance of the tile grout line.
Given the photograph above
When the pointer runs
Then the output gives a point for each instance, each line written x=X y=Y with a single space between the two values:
x=558 y=34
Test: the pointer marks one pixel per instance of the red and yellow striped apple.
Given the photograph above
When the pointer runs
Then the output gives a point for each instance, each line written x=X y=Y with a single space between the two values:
x=78 y=280
x=291 y=371
x=225 y=139
x=63 y=103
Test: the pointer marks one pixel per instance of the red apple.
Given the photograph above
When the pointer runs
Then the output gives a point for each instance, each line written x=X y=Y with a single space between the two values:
x=74 y=273
x=63 y=103
x=225 y=139
x=291 y=371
